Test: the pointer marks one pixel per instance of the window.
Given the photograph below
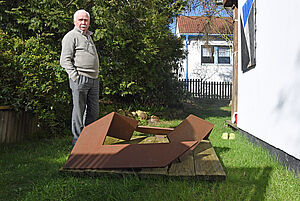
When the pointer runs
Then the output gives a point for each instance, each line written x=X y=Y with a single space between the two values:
x=207 y=55
x=223 y=55
x=215 y=55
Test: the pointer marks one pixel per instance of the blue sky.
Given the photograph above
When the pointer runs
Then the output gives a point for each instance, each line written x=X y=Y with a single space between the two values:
x=194 y=13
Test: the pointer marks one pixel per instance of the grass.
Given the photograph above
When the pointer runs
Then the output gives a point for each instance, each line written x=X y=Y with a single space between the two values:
x=29 y=171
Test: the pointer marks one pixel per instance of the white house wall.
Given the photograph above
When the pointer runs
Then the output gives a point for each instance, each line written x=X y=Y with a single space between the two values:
x=208 y=72
x=269 y=94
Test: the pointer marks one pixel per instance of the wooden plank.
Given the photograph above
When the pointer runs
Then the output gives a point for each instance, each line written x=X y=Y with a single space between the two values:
x=136 y=139
x=5 y=126
x=207 y=162
x=32 y=124
x=6 y=120
x=112 y=140
x=28 y=124
x=154 y=171
x=17 y=124
x=232 y=125
x=183 y=168
x=5 y=107
x=154 y=130
x=2 y=126
x=8 y=127
x=148 y=140
x=202 y=163
x=119 y=172
x=98 y=172
x=161 y=139
x=13 y=126
x=21 y=125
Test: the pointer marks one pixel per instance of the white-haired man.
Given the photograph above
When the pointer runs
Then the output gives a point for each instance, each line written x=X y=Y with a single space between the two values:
x=80 y=59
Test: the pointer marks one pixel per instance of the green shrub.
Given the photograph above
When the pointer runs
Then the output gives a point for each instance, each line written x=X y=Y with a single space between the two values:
x=10 y=75
x=32 y=80
x=139 y=54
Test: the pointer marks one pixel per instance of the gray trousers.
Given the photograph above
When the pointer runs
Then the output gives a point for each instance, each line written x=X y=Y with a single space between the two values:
x=85 y=93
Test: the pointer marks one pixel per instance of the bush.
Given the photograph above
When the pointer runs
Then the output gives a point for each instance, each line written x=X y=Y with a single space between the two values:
x=32 y=80
x=10 y=75
x=139 y=54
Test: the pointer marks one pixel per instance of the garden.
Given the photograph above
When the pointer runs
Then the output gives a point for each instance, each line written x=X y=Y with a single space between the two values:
x=31 y=170
x=139 y=58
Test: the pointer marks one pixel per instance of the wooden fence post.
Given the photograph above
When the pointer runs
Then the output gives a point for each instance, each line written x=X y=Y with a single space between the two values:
x=205 y=89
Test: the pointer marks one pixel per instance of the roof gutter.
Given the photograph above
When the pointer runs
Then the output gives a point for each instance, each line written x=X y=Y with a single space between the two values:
x=200 y=34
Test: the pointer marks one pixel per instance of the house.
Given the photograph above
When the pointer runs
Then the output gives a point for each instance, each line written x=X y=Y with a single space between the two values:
x=267 y=76
x=207 y=42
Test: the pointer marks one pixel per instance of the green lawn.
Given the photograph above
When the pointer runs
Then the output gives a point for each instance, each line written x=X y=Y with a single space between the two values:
x=30 y=171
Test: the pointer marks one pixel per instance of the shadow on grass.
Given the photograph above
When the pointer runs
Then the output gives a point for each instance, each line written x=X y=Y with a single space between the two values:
x=202 y=108
x=208 y=108
x=250 y=183
x=241 y=184
x=31 y=172
x=219 y=151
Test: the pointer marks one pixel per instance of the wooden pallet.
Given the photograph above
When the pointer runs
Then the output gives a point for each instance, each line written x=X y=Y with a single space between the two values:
x=201 y=163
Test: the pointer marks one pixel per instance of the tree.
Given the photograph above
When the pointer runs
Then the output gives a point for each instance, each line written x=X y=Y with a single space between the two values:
x=207 y=8
x=31 y=80
x=31 y=77
x=138 y=51
x=50 y=19
x=211 y=10
x=213 y=13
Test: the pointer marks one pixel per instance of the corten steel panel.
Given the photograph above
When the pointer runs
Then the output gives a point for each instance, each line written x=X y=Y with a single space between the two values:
x=90 y=153
x=128 y=156
x=122 y=127
x=192 y=128
x=113 y=124
x=93 y=135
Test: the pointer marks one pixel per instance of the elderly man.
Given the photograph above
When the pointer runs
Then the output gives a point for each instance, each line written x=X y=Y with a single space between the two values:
x=80 y=59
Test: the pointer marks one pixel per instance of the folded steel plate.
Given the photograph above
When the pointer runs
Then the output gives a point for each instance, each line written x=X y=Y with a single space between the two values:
x=91 y=153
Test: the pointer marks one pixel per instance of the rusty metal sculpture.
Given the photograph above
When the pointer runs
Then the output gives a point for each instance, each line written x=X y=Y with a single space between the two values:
x=91 y=153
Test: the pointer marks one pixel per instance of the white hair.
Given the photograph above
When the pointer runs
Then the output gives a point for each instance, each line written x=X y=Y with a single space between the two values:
x=81 y=11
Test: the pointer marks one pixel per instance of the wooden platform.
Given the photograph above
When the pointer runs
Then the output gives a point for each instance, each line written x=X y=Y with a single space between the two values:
x=201 y=163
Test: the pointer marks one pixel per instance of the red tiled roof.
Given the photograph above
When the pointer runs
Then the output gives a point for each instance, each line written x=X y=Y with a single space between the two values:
x=202 y=24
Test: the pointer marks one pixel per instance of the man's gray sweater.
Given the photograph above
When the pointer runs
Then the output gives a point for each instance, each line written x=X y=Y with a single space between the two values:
x=79 y=55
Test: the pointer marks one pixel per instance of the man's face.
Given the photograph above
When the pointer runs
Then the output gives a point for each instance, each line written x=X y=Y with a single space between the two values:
x=82 y=21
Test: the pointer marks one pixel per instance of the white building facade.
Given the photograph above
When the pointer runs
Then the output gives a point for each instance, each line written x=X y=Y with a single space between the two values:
x=209 y=55
x=269 y=73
